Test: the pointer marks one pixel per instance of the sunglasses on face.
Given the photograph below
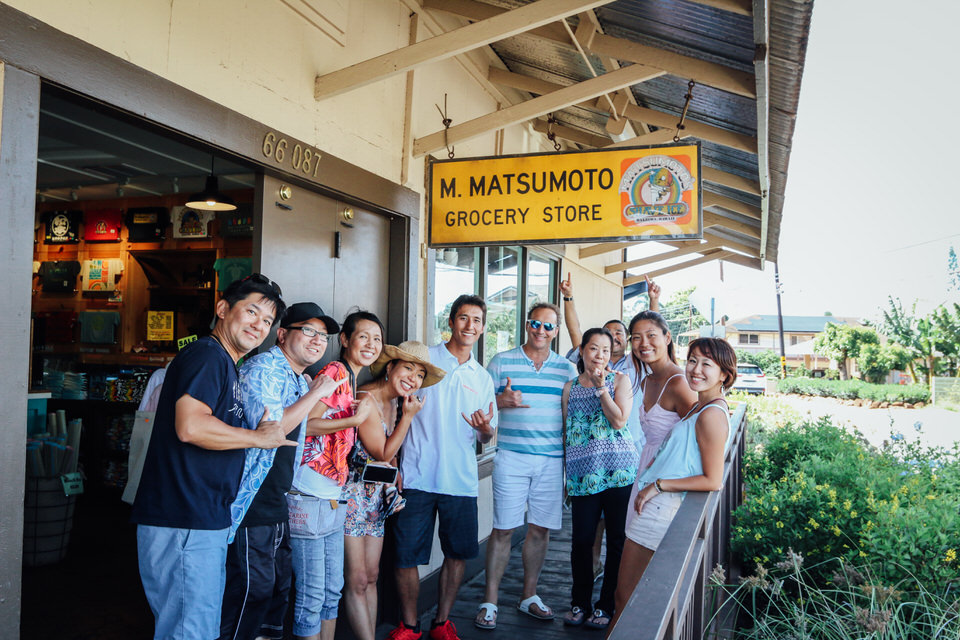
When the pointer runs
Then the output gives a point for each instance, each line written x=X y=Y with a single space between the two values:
x=536 y=324
x=262 y=279
x=310 y=332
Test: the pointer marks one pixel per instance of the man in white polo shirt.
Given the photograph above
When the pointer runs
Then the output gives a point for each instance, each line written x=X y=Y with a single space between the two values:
x=528 y=469
x=439 y=466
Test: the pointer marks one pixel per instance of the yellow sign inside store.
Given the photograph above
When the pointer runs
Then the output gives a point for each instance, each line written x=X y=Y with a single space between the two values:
x=649 y=193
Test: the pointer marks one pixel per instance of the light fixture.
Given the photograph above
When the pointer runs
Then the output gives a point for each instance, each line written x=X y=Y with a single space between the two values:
x=210 y=199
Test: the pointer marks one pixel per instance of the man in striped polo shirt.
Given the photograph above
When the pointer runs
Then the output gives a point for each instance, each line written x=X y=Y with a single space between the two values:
x=528 y=469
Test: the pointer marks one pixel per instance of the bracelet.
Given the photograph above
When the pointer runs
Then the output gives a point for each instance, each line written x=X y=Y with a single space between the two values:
x=599 y=391
x=656 y=483
x=566 y=299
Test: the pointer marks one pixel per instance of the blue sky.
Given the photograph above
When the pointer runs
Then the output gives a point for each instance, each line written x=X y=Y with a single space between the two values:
x=869 y=210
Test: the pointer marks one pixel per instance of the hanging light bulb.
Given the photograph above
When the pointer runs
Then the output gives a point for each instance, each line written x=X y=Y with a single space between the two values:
x=210 y=199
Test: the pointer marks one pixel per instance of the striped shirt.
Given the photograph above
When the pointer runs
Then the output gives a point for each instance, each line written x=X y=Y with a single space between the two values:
x=537 y=430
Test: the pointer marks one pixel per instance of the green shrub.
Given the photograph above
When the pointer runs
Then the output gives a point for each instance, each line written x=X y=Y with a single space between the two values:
x=853 y=389
x=823 y=492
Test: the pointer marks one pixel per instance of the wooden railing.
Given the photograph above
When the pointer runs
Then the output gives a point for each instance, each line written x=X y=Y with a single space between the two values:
x=673 y=599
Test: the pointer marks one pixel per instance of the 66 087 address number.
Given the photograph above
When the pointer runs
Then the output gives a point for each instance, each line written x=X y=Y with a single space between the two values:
x=300 y=158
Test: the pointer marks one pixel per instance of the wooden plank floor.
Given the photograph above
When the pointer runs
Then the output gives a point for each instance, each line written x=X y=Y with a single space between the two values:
x=554 y=589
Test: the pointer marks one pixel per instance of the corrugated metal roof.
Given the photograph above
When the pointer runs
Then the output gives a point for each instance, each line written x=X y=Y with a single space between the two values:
x=705 y=33
x=797 y=324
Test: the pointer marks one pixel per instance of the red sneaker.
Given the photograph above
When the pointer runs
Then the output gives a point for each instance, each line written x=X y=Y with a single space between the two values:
x=445 y=631
x=403 y=632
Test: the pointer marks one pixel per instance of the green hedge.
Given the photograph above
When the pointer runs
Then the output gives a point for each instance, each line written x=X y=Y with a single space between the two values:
x=852 y=389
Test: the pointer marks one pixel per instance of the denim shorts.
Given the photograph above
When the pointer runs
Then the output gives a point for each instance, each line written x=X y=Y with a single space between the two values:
x=183 y=573
x=413 y=529
x=318 y=576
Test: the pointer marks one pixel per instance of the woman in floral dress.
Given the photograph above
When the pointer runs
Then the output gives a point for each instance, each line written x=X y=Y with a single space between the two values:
x=601 y=464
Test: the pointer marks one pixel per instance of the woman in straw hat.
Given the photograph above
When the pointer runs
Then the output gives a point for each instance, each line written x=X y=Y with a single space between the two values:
x=401 y=371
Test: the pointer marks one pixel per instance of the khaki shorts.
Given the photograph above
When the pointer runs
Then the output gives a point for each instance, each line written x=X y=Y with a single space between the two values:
x=648 y=528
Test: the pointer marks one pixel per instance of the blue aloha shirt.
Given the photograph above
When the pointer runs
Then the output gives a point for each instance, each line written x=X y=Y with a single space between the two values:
x=266 y=381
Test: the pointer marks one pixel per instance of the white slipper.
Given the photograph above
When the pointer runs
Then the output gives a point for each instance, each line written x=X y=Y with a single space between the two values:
x=489 y=619
x=524 y=607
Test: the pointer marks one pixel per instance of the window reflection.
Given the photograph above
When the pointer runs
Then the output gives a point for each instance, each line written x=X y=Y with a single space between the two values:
x=502 y=295
x=455 y=274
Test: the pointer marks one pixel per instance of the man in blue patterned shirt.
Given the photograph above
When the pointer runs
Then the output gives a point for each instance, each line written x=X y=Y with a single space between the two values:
x=528 y=469
x=258 y=558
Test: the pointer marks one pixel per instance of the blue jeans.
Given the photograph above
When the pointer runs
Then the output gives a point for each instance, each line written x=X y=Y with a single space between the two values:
x=183 y=574
x=318 y=575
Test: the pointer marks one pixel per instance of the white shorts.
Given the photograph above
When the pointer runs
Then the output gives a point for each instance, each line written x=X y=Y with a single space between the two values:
x=648 y=528
x=522 y=481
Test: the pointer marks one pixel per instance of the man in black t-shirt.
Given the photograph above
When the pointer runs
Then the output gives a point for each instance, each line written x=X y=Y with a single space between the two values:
x=194 y=462
x=259 y=560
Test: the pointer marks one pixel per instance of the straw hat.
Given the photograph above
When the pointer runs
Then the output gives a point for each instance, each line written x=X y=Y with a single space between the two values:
x=409 y=351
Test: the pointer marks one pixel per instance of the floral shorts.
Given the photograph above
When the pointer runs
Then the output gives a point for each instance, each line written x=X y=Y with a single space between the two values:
x=364 y=516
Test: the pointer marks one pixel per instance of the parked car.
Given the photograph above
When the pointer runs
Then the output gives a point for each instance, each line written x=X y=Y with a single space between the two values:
x=750 y=378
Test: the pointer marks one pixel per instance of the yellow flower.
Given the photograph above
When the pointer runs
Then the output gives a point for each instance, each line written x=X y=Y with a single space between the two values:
x=853 y=514
x=836 y=530
x=951 y=556
x=776 y=509
x=930 y=496
x=847 y=505
x=863 y=554
x=813 y=523
x=757 y=536
x=779 y=525
x=833 y=494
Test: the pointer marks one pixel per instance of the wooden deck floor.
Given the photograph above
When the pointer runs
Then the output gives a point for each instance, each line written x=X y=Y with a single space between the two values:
x=554 y=589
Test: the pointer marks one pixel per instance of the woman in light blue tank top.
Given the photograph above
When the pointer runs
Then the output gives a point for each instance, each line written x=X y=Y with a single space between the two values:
x=690 y=459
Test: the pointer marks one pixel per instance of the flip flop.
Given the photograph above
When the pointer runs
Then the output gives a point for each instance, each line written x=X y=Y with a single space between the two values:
x=574 y=617
x=489 y=619
x=599 y=620
x=524 y=607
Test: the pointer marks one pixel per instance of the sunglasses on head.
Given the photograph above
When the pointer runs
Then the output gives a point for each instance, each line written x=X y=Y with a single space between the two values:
x=262 y=279
x=536 y=324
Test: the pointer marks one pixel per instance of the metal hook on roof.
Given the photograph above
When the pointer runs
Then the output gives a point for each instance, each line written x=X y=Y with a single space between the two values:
x=683 y=114
x=551 y=136
x=446 y=125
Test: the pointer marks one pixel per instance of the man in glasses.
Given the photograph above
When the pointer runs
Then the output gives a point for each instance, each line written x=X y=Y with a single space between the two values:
x=259 y=561
x=528 y=468
x=194 y=463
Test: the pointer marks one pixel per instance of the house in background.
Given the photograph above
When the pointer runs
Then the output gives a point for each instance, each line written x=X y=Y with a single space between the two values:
x=762 y=332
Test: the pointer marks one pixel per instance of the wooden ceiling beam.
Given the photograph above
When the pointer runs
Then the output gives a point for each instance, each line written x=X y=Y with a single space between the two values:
x=605 y=247
x=554 y=101
x=711 y=199
x=472 y=36
x=711 y=219
x=730 y=180
x=732 y=244
x=632 y=112
x=691 y=127
x=740 y=7
x=573 y=135
x=708 y=73
x=745 y=261
x=694 y=246
x=715 y=254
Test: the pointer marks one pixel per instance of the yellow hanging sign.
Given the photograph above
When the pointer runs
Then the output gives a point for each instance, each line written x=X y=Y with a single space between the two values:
x=649 y=193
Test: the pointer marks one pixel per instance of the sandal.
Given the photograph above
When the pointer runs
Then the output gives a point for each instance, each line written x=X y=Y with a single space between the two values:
x=574 y=617
x=486 y=616
x=599 y=620
x=524 y=607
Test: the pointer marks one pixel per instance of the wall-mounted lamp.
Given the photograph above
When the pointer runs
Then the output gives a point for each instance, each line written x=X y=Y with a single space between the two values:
x=210 y=199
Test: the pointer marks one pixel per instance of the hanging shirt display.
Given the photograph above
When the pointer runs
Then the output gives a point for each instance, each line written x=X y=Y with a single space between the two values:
x=99 y=327
x=102 y=225
x=59 y=276
x=54 y=327
x=100 y=275
x=63 y=227
x=230 y=269
x=147 y=224
x=190 y=223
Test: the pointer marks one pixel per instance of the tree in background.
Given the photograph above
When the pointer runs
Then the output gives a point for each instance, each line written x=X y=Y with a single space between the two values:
x=681 y=315
x=876 y=361
x=767 y=360
x=945 y=322
x=840 y=342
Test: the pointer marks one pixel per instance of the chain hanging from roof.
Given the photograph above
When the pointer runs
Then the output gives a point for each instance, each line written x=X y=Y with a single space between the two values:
x=446 y=125
x=683 y=114
x=551 y=136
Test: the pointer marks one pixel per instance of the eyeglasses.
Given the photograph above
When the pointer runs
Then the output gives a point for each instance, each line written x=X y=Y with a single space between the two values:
x=262 y=279
x=310 y=332
x=536 y=324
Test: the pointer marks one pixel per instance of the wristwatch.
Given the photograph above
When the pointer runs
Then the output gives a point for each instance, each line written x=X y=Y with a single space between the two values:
x=568 y=299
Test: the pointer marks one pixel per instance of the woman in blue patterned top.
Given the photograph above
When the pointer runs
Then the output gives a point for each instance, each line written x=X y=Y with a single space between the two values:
x=601 y=463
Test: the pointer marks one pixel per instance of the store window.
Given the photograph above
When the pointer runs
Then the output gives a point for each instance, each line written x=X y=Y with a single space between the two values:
x=455 y=272
x=502 y=293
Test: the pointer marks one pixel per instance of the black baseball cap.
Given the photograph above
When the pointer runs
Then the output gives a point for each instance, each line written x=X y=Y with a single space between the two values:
x=306 y=311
